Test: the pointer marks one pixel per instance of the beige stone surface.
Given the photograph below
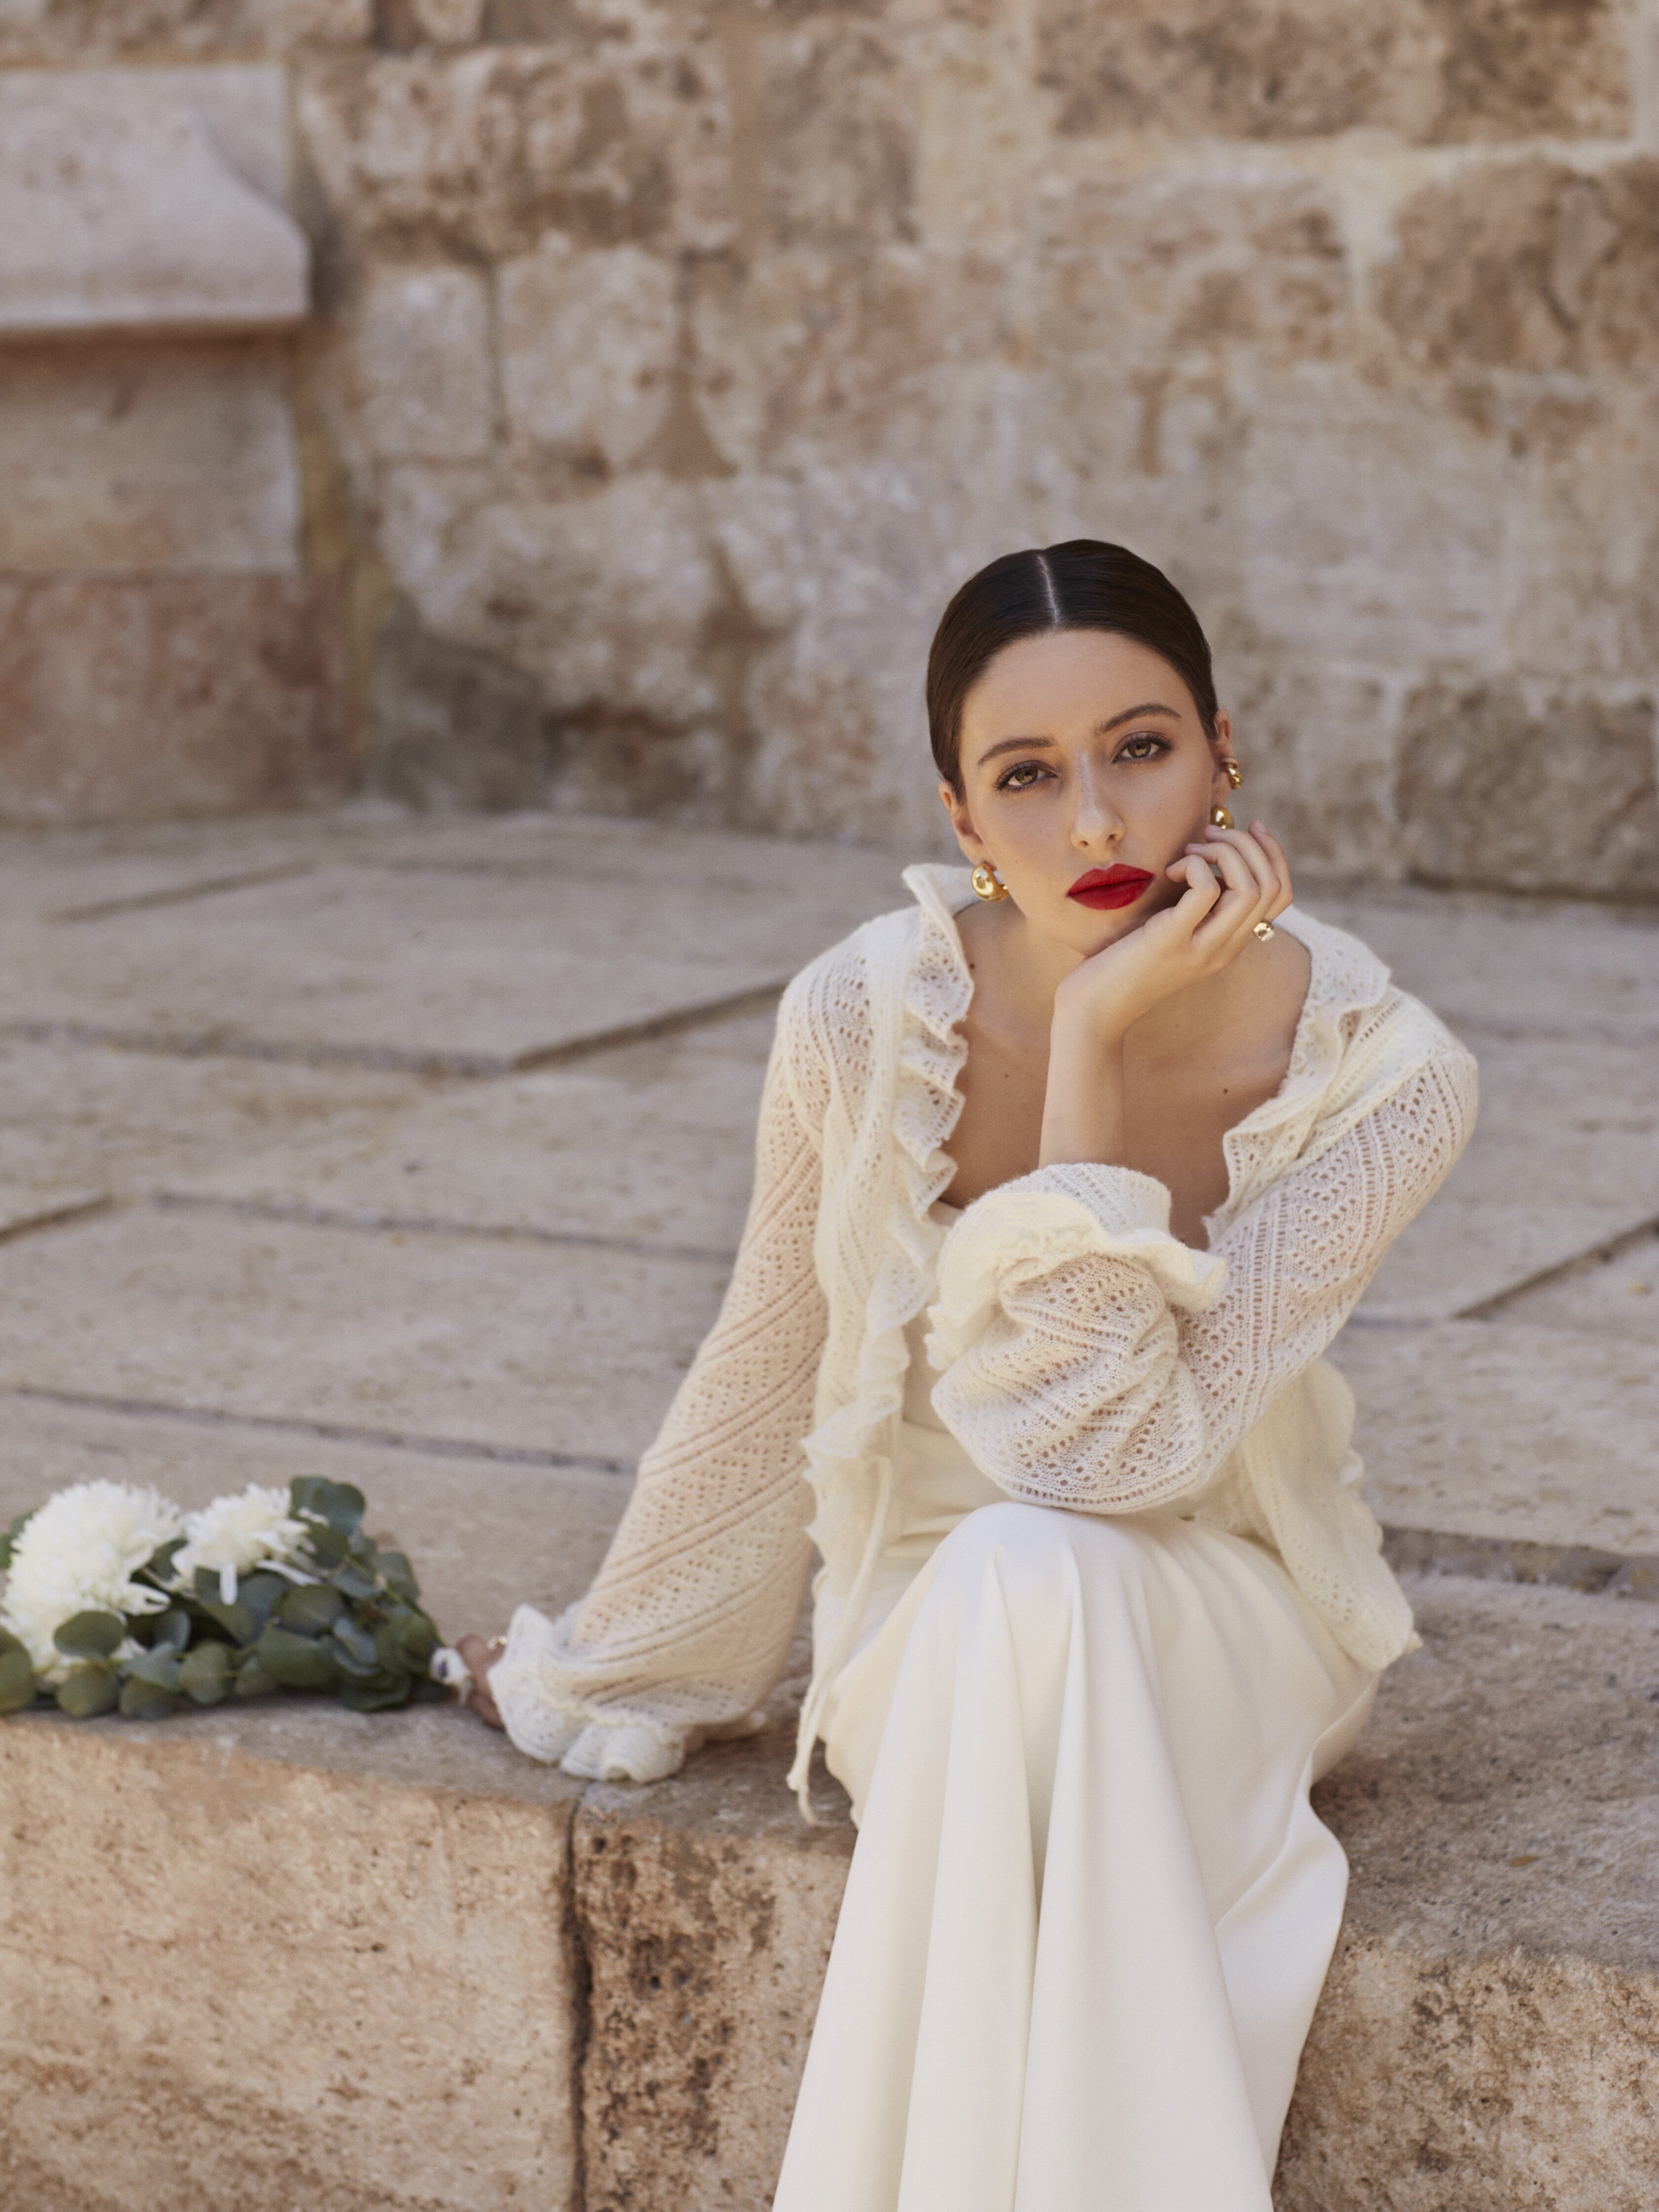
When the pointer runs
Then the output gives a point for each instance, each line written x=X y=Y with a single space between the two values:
x=1489 y=2023
x=1510 y=1428
x=554 y=1351
x=146 y=199
x=560 y=932
x=423 y=358
x=149 y=457
x=588 y=345
x=482 y=1534
x=653 y=1144
x=254 y=1958
x=147 y=694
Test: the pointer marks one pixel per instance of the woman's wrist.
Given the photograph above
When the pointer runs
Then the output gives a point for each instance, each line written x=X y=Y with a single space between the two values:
x=1082 y=1109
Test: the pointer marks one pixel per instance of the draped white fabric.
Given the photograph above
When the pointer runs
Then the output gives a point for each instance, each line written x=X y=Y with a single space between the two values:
x=1091 y=1908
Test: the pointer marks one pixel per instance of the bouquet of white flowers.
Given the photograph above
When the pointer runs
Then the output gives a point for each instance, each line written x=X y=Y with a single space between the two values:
x=115 y=1600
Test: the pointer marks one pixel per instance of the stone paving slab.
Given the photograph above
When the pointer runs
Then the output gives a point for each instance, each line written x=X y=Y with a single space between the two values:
x=483 y=1536
x=534 y=1349
x=1493 y=967
x=481 y=964
x=85 y=1117
x=1565 y=1157
x=653 y=1142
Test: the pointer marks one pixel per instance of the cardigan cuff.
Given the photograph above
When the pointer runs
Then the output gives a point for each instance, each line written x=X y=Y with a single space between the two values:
x=1075 y=1210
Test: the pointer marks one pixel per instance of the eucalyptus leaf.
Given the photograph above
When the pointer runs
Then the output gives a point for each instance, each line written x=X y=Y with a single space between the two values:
x=16 y=1679
x=159 y=1668
x=262 y=1593
x=400 y=1576
x=341 y=1505
x=297 y=1663
x=328 y=1546
x=350 y=1664
x=389 y=1647
x=252 y=1679
x=356 y=1640
x=170 y=1631
x=204 y=1674
x=142 y=1700
x=207 y=1585
x=370 y=1698
x=88 y=1691
x=158 y=1568
x=8 y=1542
x=419 y=1639
x=235 y=1620
x=311 y=1608
x=90 y=1635
x=354 y=1582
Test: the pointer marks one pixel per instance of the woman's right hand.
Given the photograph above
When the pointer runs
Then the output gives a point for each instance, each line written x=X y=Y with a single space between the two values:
x=480 y=1657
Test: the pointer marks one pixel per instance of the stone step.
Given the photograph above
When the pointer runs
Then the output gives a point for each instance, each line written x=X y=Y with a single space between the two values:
x=292 y=1955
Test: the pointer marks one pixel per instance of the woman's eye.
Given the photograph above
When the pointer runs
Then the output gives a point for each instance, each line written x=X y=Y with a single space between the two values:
x=1022 y=777
x=1144 y=748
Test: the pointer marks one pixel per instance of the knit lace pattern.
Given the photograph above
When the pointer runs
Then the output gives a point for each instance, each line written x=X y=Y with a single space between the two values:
x=1087 y=1358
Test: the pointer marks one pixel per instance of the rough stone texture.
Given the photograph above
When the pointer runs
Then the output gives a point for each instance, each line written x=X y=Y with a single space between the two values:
x=549 y=1351
x=1557 y=794
x=133 y=696
x=554 y=933
x=147 y=199
x=413 y=2048
x=150 y=457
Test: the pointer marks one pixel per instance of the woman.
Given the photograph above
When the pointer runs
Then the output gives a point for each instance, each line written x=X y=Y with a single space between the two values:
x=1066 y=1178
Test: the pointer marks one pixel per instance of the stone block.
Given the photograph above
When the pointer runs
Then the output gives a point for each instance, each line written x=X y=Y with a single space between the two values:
x=193 y=695
x=1565 y=1157
x=1373 y=529
x=78 y=34
x=146 y=199
x=452 y=725
x=423 y=355
x=483 y=151
x=367 y=1994
x=588 y=345
x=1496 y=967
x=1520 y=789
x=838 y=136
x=551 y=1352
x=652 y=1145
x=1492 y=2008
x=1438 y=70
x=1528 y=265
x=706 y=1908
x=474 y=950
x=151 y=456
x=1317 y=744
x=483 y=1535
x=1509 y=1429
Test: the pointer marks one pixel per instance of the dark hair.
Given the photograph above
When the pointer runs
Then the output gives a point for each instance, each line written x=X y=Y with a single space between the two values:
x=1081 y=585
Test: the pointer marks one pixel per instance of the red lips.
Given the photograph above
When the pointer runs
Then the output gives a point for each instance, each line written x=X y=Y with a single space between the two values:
x=1102 y=888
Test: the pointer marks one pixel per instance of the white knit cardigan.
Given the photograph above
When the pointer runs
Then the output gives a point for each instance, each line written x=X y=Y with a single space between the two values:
x=1087 y=1358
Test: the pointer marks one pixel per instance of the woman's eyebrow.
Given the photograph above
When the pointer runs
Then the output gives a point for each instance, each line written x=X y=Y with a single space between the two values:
x=1129 y=713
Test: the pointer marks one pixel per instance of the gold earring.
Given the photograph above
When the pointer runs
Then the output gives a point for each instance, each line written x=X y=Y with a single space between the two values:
x=1235 y=774
x=1220 y=816
x=987 y=885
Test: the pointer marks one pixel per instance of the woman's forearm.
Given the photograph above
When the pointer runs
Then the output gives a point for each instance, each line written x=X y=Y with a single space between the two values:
x=1083 y=1110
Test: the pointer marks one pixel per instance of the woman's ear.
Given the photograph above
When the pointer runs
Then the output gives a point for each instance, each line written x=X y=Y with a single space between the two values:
x=1222 y=750
x=956 y=805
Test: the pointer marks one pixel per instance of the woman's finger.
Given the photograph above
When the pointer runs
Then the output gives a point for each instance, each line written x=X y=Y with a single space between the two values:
x=1241 y=893
x=1201 y=893
x=1255 y=856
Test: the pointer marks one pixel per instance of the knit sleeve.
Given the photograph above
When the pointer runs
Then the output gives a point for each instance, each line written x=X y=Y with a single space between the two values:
x=1091 y=1360
x=685 y=1629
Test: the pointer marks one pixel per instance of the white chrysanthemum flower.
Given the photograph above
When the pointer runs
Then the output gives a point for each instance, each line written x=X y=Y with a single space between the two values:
x=79 y=1555
x=234 y=1535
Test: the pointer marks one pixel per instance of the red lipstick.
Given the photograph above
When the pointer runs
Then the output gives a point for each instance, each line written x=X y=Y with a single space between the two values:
x=1102 y=888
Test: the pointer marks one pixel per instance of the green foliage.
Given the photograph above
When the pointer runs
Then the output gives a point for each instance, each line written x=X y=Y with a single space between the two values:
x=353 y=1629
x=10 y=1539
x=16 y=1673
x=88 y=1691
x=90 y=1635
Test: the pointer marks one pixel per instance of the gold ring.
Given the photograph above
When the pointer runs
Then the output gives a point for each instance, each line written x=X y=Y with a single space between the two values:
x=1264 y=930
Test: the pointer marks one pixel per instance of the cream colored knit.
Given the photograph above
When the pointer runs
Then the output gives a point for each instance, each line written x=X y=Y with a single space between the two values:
x=1089 y=1359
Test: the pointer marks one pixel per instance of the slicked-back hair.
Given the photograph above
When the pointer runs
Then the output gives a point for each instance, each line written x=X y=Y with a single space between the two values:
x=1081 y=585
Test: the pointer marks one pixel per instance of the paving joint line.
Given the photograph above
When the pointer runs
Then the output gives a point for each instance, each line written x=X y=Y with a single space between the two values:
x=1581 y=1263
x=1518 y=1559
x=179 y=894
x=212 y=1044
x=308 y=1217
x=211 y=1417
x=57 y=1217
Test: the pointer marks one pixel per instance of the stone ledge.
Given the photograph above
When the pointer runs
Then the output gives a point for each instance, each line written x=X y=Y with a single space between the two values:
x=146 y=199
x=486 y=1950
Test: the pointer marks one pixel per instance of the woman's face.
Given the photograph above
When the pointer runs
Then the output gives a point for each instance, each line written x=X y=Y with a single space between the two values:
x=1085 y=771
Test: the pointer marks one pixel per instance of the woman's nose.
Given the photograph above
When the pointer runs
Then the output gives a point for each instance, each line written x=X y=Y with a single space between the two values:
x=1095 y=821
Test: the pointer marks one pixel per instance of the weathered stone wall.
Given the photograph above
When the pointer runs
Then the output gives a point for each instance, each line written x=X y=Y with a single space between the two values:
x=673 y=359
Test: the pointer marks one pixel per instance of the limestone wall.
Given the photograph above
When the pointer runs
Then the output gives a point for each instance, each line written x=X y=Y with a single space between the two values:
x=670 y=363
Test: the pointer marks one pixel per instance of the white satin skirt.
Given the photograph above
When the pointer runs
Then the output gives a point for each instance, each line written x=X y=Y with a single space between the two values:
x=1090 y=1907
